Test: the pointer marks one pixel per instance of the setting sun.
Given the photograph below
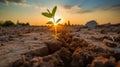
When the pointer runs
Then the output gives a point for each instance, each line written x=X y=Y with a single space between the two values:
x=57 y=17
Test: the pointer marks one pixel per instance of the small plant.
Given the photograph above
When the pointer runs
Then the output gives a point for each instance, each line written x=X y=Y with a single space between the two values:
x=52 y=15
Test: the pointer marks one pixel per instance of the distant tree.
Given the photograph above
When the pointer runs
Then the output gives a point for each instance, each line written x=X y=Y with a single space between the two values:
x=65 y=24
x=72 y=24
x=18 y=23
x=27 y=24
x=69 y=23
x=0 y=24
x=22 y=24
x=8 y=23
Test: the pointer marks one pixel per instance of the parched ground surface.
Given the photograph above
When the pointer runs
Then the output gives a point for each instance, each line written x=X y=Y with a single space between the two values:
x=15 y=41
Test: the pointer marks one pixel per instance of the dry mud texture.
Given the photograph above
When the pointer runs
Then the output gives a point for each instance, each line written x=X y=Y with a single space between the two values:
x=75 y=47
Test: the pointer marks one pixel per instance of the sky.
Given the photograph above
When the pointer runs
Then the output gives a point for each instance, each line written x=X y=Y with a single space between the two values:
x=76 y=11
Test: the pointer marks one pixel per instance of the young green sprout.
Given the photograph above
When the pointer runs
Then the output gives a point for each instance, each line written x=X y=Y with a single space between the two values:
x=52 y=15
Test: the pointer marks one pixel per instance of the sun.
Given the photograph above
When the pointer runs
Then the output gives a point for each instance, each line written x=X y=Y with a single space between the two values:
x=56 y=18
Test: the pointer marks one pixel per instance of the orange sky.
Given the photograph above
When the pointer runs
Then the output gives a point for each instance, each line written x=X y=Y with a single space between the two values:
x=74 y=11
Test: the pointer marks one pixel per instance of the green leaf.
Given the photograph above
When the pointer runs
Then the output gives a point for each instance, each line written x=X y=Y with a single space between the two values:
x=54 y=11
x=49 y=22
x=48 y=11
x=58 y=20
x=47 y=15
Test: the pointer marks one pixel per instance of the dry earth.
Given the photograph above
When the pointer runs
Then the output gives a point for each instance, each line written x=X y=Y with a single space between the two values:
x=38 y=42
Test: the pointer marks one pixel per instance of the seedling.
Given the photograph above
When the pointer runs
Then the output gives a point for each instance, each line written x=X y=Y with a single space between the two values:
x=52 y=15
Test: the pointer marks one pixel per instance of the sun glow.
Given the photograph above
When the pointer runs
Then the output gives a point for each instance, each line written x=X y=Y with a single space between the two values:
x=55 y=24
x=55 y=19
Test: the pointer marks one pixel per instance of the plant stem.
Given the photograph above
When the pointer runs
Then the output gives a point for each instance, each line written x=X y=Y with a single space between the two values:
x=55 y=27
x=54 y=19
x=55 y=30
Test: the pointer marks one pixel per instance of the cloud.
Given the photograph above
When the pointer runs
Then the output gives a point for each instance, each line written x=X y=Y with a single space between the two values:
x=2 y=1
x=80 y=10
x=12 y=1
x=85 y=11
x=69 y=7
x=76 y=9
x=113 y=7
x=117 y=5
x=20 y=3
